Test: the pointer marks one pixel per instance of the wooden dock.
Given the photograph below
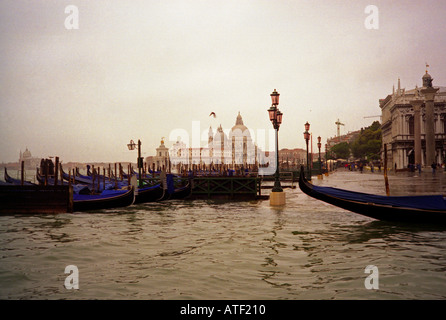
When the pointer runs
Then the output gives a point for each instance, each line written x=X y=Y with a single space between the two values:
x=230 y=188
x=15 y=199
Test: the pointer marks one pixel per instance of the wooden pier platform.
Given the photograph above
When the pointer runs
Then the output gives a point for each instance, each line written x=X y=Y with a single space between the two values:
x=221 y=187
x=35 y=199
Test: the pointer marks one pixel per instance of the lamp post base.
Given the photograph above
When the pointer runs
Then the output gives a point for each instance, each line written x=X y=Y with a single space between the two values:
x=277 y=198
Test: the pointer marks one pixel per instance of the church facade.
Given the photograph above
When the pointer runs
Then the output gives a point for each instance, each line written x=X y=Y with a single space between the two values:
x=28 y=160
x=234 y=148
x=407 y=123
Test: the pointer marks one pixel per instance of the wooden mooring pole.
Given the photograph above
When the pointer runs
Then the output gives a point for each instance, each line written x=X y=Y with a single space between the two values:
x=386 y=180
x=56 y=172
x=22 y=178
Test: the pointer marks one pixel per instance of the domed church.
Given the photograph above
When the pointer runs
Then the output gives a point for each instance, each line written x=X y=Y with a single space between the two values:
x=234 y=148
x=28 y=160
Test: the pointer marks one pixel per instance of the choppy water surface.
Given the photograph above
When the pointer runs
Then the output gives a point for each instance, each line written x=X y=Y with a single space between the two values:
x=224 y=250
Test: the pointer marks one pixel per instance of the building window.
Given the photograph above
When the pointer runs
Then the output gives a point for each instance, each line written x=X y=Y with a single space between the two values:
x=411 y=125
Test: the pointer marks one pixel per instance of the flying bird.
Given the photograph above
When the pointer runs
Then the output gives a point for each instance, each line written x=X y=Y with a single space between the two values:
x=213 y=114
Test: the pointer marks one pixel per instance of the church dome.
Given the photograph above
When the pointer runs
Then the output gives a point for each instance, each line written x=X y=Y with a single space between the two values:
x=239 y=126
x=26 y=154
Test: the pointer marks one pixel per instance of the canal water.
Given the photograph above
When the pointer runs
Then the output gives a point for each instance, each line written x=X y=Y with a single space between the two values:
x=209 y=250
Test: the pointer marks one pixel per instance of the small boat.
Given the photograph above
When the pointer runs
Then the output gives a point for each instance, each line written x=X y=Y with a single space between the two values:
x=16 y=182
x=413 y=209
x=85 y=200
x=150 y=194
x=50 y=180
x=106 y=200
x=175 y=188
x=87 y=180
x=182 y=192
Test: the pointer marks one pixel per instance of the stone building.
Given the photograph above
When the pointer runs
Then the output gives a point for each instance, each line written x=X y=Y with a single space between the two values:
x=414 y=125
x=292 y=157
x=161 y=157
x=235 y=148
x=28 y=160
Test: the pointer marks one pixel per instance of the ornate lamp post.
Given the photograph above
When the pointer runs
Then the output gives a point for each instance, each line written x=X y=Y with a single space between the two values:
x=132 y=146
x=307 y=138
x=276 y=118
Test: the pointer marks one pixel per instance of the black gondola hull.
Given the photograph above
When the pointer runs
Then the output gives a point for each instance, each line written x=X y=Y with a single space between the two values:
x=376 y=211
x=149 y=195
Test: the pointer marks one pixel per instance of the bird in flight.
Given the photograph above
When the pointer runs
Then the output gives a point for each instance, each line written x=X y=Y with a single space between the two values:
x=213 y=114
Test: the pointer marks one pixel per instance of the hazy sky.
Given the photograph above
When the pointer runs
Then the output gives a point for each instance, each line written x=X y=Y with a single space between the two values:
x=142 y=69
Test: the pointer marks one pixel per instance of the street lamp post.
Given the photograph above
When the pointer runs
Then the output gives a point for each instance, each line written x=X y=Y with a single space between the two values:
x=132 y=146
x=276 y=118
x=307 y=138
x=277 y=196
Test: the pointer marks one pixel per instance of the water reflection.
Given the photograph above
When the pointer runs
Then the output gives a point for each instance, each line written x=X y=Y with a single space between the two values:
x=385 y=230
x=52 y=227
x=271 y=272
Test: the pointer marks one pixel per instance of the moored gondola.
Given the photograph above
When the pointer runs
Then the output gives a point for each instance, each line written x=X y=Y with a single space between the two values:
x=16 y=182
x=106 y=200
x=149 y=194
x=413 y=209
x=182 y=192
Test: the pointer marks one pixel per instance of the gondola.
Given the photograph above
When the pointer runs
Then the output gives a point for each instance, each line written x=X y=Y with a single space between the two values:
x=182 y=192
x=77 y=179
x=430 y=209
x=50 y=180
x=16 y=182
x=161 y=193
x=173 y=191
x=106 y=200
x=150 y=194
x=87 y=180
x=85 y=200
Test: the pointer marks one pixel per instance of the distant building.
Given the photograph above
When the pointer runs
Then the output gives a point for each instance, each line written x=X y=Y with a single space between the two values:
x=292 y=157
x=349 y=137
x=233 y=149
x=331 y=142
x=161 y=157
x=398 y=125
x=29 y=161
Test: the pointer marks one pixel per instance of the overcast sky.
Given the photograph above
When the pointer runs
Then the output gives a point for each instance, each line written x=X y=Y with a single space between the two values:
x=142 y=69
